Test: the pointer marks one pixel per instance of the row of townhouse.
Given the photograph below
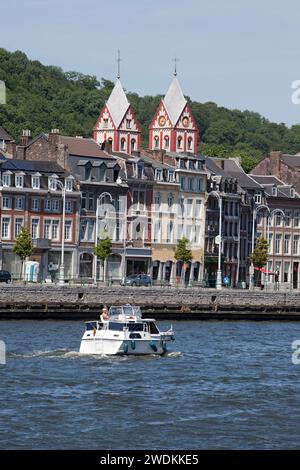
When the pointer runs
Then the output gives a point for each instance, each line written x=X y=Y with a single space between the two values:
x=146 y=199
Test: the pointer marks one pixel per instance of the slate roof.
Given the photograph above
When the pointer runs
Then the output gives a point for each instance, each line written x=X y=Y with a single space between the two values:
x=83 y=147
x=265 y=179
x=31 y=165
x=291 y=160
x=174 y=101
x=4 y=135
x=117 y=103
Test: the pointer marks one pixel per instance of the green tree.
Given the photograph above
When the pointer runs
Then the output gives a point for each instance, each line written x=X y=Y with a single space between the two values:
x=103 y=250
x=183 y=253
x=259 y=256
x=23 y=246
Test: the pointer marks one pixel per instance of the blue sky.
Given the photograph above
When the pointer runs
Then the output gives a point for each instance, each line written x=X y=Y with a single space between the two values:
x=240 y=54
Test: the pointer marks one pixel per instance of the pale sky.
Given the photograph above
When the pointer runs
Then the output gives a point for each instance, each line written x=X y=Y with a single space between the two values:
x=240 y=54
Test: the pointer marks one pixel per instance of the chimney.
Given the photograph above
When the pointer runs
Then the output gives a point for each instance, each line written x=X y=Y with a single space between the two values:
x=158 y=155
x=274 y=165
x=20 y=152
x=25 y=137
x=11 y=149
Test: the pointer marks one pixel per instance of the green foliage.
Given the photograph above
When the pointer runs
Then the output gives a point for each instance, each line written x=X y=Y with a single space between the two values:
x=259 y=257
x=103 y=249
x=183 y=252
x=41 y=98
x=23 y=246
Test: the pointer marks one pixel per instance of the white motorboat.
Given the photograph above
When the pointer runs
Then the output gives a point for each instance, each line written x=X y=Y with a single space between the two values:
x=124 y=332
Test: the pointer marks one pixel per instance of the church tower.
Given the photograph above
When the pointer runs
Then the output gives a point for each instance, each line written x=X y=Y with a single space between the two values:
x=173 y=128
x=117 y=126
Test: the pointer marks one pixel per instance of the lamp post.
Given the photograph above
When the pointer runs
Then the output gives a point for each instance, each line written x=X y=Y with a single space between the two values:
x=255 y=212
x=99 y=200
x=219 y=272
x=61 y=276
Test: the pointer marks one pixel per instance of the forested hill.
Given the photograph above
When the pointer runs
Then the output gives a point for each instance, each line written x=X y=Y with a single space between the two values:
x=43 y=97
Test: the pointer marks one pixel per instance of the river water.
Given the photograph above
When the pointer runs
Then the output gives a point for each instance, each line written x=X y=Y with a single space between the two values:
x=225 y=385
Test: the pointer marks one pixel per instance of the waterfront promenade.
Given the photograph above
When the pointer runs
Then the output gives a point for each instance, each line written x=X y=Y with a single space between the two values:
x=53 y=302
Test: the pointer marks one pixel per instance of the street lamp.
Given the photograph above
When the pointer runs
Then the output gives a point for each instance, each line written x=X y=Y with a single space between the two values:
x=99 y=200
x=219 y=272
x=61 y=276
x=255 y=212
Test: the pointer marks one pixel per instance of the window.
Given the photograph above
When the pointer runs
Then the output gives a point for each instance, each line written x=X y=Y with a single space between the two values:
x=19 y=222
x=83 y=201
x=292 y=192
x=257 y=198
x=68 y=230
x=278 y=243
x=170 y=228
x=6 y=179
x=69 y=206
x=69 y=184
x=55 y=205
x=182 y=183
x=55 y=230
x=47 y=228
x=199 y=185
x=287 y=243
x=5 y=228
x=128 y=123
x=179 y=142
x=171 y=176
x=156 y=232
x=105 y=123
x=296 y=219
x=287 y=219
x=286 y=271
x=123 y=144
x=35 y=204
x=170 y=201
x=166 y=143
x=157 y=202
x=197 y=234
x=274 y=191
x=158 y=174
x=191 y=165
x=181 y=207
x=197 y=208
x=35 y=182
x=87 y=230
x=19 y=181
x=132 y=144
x=52 y=183
x=6 y=202
x=190 y=143
x=190 y=184
x=296 y=245
x=189 y=207
x=156 y=142
x=34 y=230
x=47 y=204
x=91 y=202
x=19 y=203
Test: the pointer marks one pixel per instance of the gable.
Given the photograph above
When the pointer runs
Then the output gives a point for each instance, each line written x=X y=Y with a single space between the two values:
x=161 y=119
x=129 y=116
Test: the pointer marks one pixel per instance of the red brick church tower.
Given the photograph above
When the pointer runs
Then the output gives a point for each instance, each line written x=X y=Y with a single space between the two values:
x=117 y=126
x=173 y=128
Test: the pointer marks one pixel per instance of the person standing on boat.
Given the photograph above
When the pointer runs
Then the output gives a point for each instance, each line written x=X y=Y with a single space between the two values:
x=104 y=315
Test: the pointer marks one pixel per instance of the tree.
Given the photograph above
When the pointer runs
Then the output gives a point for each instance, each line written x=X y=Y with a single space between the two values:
x=183 y=253
x=103 y=250
x=23 y=246
x=259 y=256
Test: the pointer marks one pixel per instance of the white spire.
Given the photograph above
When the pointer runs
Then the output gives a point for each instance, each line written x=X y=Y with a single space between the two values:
x=174 y=101
x=117 y=103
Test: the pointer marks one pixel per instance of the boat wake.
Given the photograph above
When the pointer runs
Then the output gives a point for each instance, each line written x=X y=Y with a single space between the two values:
x=68 y=354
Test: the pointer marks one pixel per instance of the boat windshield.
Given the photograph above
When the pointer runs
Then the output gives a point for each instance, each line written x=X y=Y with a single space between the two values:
x=127 y=310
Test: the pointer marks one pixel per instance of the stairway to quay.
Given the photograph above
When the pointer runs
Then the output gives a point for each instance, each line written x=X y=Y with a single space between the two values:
x=71 y=303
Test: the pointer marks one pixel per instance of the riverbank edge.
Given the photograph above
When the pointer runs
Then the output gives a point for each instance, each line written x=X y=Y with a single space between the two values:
x=33 y=302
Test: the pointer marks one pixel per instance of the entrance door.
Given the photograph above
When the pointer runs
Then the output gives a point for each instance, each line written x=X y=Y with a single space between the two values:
x=295 y=275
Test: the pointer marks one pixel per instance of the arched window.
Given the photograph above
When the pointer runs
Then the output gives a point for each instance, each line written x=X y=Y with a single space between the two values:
x=190 y=143
x=166 y=142
x=156 y=142
x=132 y=144
x=123 y=144
x=179 y=142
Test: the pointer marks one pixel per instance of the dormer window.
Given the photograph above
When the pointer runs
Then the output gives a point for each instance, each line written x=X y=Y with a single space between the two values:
x=52 y=183
x=257 y=198
x=158 y=174
x=35 y=181
x=171 y=176
x=69 y=184
x=292 y=192
x=274 y=191
x=182 y=164
x=191 y=165
x=19 y=181
x=6 y=180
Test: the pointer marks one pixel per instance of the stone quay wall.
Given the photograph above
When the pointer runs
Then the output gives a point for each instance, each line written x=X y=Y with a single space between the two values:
x=44 y=302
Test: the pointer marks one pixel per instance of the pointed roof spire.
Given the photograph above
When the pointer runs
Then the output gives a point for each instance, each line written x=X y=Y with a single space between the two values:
x=117 y=103
x=119 y=60
x=174 y=100
x=175 y=60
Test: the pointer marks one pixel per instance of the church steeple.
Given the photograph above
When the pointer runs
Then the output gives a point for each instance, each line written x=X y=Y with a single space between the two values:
x=173 y=128
x=117 y=124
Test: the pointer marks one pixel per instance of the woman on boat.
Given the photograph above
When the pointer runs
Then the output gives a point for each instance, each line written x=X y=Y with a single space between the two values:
x=104 y=315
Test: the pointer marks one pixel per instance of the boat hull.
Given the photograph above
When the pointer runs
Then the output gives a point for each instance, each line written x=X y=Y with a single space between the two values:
x=122 y=347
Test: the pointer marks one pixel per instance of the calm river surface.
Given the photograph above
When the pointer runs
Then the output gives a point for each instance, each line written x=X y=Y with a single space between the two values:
x=225 y=385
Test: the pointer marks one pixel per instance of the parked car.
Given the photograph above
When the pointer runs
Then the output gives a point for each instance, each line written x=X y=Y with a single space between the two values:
x=138 y=280
x=5 y=276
